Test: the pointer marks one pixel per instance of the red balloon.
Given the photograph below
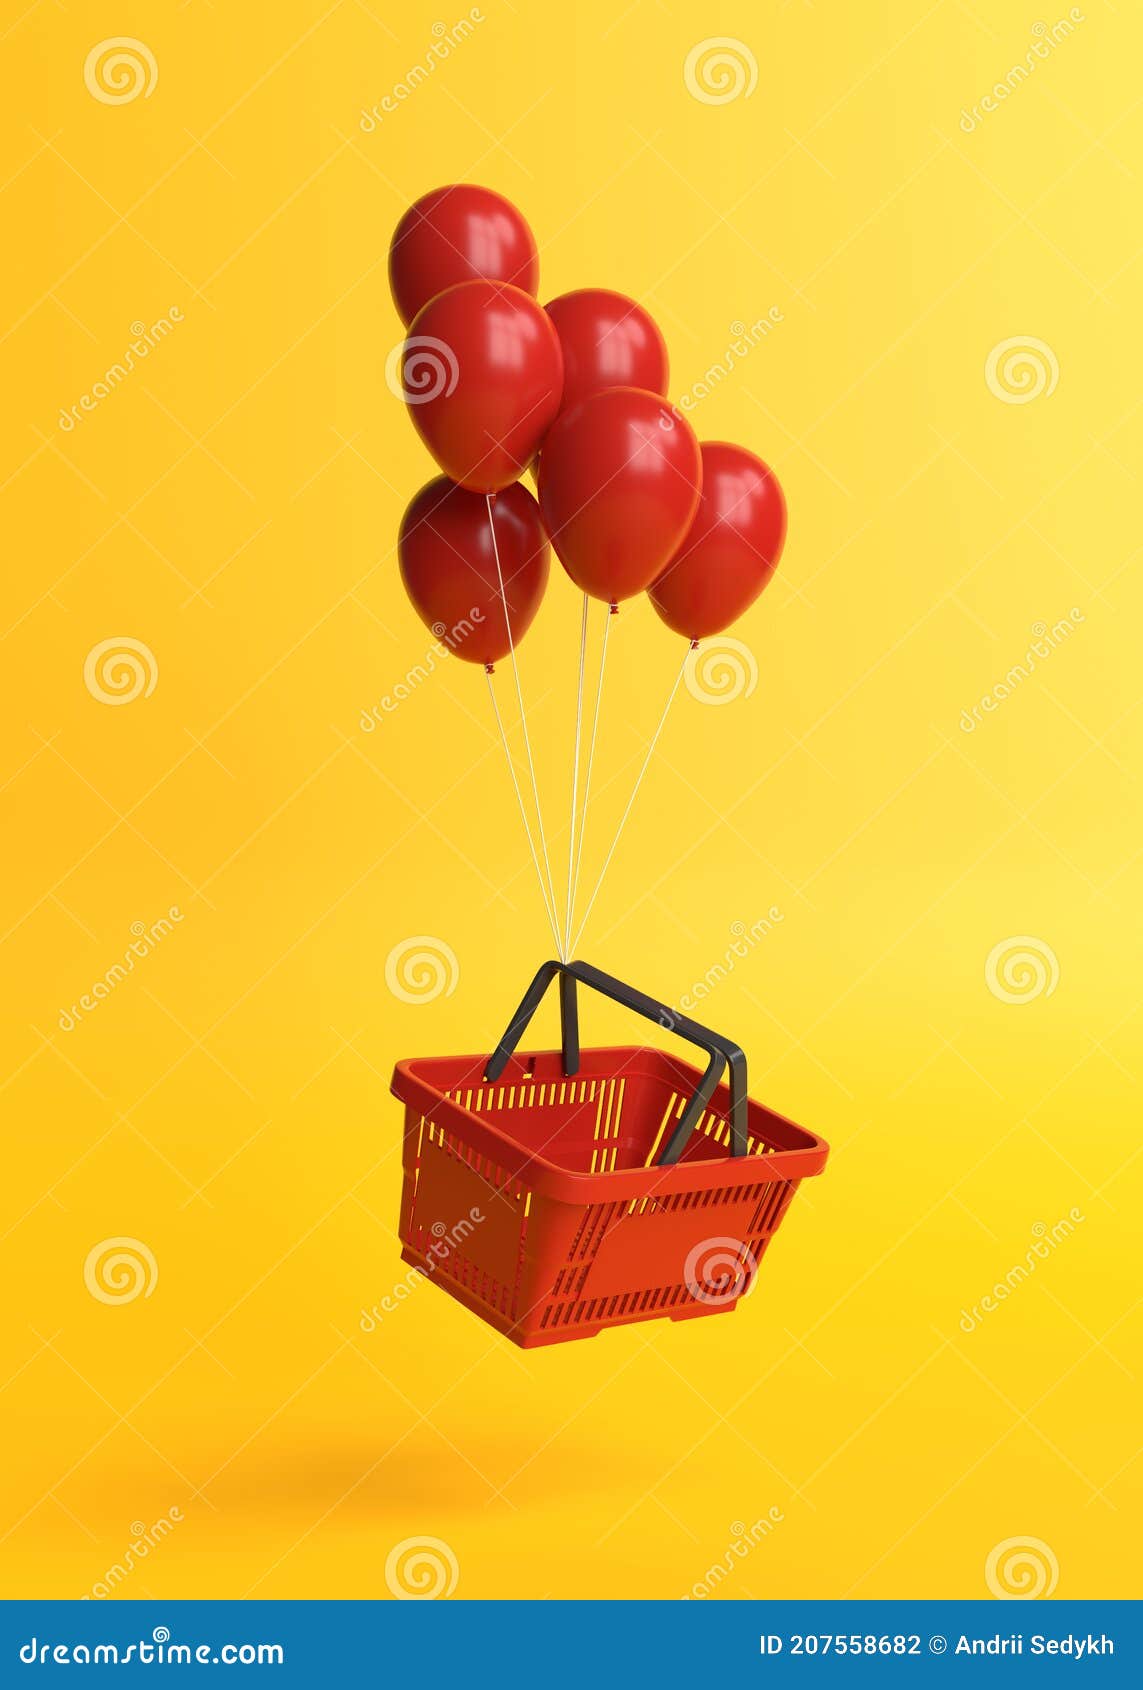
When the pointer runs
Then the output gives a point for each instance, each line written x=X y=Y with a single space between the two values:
x=731 y=549
x=482 y=374
x=607 y=341
x=619 y=483
x=456 y=235
x=448 y=565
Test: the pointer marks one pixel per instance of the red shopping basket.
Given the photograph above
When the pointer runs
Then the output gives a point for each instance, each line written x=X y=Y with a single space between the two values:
x=561 y=1192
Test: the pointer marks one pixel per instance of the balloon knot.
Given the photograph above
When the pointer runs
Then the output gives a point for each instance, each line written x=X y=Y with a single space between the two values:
x=694 y=645
x=613 y=608
x=490 y=668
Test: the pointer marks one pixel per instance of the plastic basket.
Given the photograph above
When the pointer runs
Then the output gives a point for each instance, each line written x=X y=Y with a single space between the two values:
x=558 y=1193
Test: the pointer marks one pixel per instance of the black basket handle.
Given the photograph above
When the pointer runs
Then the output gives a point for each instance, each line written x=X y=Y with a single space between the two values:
x=720 y=1051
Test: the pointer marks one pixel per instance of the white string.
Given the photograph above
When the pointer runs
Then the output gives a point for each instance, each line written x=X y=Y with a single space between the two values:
x=575 y=772
x=587 y=777
x=631 y=800
x=548 y=911
x=524 y=726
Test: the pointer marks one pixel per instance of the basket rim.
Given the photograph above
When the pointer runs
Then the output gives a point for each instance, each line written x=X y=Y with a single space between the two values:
x=802 y=1158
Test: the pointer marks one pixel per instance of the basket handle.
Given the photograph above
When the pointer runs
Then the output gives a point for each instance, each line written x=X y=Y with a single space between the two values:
x=720 y=1051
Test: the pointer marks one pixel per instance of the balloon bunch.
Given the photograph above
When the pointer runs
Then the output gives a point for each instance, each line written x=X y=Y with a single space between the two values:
x=496 y=385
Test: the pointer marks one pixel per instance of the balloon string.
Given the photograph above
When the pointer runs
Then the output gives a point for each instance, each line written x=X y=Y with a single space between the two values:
x=587 y=777
x=631 y=800
x=524 y=726
x=548 y=911
x=575 y=772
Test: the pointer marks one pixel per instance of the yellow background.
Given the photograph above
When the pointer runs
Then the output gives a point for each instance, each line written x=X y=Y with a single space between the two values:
x=233 y=505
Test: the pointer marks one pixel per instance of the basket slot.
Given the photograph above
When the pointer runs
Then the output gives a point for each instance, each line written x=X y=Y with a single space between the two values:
x=521 y=1256
x=589 y=1310
x=713 y=1126
x=769 y=1203
x=598 y=1156
x=593 y=1229
x=608 y=1114
x=570 y=1281
x=673 y=1103
x=573 y=1252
